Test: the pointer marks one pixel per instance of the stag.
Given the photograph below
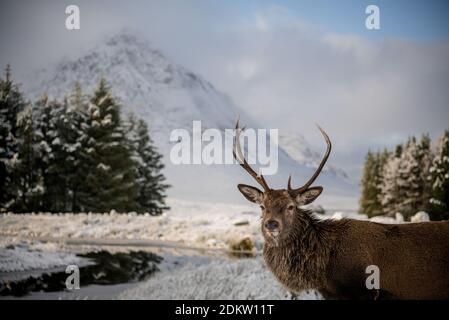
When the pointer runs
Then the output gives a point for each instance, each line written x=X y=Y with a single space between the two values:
x=332 y=256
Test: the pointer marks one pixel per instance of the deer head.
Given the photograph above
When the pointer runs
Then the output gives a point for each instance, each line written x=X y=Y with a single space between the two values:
x=280 y=206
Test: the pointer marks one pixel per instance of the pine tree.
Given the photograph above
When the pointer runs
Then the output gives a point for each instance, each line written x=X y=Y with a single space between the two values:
x=398 y=150
x=439 y=173
x=409 y=179
x=367 y=189
x=63 y=166
x=74 y=128
x=389 y=190
x=11 y=104
x=63 y=139
x=53 y=148
x=425 y=158
x=370 y=203
x=48 y=144
x=110 y=181
x=28 y=181
x=149 y=179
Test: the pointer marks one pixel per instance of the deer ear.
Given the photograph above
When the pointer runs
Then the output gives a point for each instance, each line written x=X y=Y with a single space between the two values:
x=251 y=193
x=308 y=196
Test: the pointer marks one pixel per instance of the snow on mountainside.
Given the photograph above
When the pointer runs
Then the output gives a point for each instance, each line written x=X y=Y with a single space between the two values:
x=165 y=94
x=169 y=96
x=296 y=146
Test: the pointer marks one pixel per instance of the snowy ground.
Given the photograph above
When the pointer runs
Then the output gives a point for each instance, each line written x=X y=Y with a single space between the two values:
x=246 y=279
x=187 y=224
x=194 y=224
x=21 y=257
x=199 y=224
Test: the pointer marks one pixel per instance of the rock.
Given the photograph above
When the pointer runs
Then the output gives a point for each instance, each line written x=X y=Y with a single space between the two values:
x=399 y=217
x=241 y=222
x=420 y=216
x=244 y=244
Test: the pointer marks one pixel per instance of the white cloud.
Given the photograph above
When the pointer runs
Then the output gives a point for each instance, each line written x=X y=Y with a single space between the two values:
x=261 y=23
x=283 y=71
x=366 y=93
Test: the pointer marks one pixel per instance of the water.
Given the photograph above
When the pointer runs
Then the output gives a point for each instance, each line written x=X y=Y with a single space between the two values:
x=107 y=271
x=111 y=267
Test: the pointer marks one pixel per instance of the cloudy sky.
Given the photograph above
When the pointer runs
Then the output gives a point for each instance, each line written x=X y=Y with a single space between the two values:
x=290 y=64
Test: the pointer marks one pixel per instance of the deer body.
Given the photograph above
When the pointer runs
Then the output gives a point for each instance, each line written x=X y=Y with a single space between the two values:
x=332 y=256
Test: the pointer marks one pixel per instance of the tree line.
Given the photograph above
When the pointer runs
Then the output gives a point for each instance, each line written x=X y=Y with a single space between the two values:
x=413 y=177
x=76 y=154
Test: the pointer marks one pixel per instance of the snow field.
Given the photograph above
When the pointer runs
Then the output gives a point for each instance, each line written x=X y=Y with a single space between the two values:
x=243 y=279
x=21 y=257
x=196 y=224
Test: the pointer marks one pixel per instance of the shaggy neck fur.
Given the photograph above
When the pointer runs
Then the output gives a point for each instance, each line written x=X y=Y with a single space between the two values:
x=299 y=261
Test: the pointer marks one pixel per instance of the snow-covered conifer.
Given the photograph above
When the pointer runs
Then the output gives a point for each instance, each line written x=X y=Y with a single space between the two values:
x=28 y=181
x=110 y=180
x=439 y=173
x=389 y=191
x=150 y=180
x=11 y=104
x=408 y=179
x=370 y=203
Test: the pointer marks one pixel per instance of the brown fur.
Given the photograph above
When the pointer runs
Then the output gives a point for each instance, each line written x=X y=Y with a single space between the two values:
x=332 y=255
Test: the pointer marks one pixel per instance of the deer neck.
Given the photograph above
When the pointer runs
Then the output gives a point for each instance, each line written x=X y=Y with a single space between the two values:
x=300 y=260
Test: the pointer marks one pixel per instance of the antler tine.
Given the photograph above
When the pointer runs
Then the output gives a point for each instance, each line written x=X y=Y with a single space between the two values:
x=237 y=149
x=318 y=170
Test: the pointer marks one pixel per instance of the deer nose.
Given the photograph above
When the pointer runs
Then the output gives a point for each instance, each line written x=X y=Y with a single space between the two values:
x=271 y=225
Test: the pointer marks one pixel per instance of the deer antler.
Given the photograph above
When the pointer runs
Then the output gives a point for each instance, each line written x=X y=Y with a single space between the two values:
x=318 y=170
x=242 y=161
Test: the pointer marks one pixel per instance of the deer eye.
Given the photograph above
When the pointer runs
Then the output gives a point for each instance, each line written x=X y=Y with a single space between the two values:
x=262 y=207
x=290 y=208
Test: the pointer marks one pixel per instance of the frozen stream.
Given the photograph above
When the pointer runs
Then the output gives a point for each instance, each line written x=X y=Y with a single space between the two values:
x=130 y=270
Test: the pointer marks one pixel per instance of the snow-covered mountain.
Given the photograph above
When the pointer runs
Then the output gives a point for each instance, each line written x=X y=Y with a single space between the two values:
x=169 y=96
